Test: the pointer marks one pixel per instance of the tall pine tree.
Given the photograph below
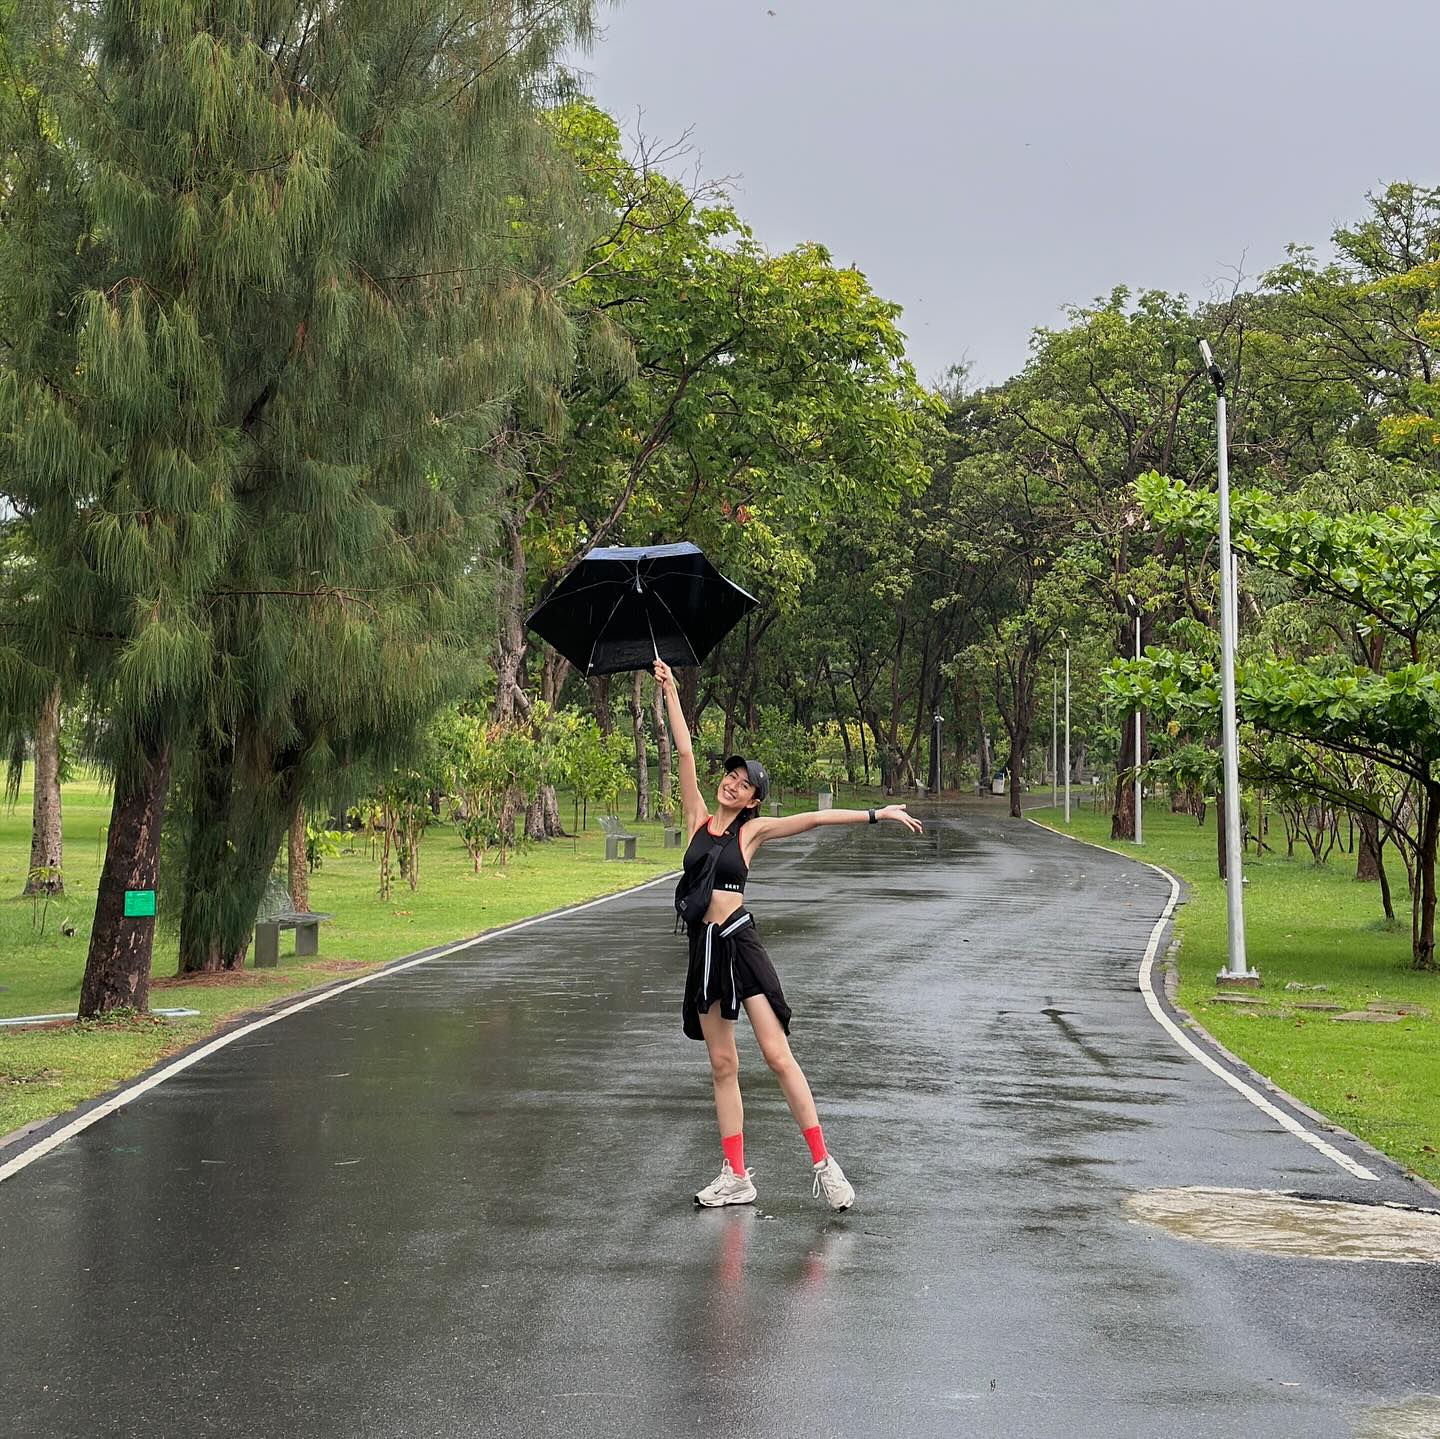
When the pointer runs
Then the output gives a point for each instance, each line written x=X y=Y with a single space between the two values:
x=282 y=267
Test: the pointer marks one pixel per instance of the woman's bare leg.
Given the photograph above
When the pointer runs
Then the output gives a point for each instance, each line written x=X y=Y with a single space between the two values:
x=776 y=1049
x=724 y=1070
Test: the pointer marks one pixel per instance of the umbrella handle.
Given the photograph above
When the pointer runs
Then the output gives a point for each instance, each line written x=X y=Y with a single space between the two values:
x=651 y=627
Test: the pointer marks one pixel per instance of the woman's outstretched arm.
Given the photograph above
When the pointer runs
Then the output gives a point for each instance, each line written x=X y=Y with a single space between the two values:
x=763 y=829
x=690 y=797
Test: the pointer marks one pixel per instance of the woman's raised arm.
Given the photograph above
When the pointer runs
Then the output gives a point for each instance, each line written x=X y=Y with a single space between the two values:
x=690 y=797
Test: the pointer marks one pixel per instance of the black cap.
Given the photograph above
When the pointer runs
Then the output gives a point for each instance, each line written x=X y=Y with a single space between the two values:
x=754 y=772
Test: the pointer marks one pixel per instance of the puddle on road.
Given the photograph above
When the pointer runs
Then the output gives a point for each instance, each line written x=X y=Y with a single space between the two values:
x=1416 y=1418
x=1285 y=1224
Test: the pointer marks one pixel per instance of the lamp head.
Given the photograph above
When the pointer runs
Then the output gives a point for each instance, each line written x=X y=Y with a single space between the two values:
x=1217 y=375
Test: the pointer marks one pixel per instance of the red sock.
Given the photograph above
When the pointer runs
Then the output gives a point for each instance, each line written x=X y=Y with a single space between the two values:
x=733 y=1146
x=816 y=1141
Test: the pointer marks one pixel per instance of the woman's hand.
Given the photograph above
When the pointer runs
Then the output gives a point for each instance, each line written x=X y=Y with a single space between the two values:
x=898 y=814
x=663 y=675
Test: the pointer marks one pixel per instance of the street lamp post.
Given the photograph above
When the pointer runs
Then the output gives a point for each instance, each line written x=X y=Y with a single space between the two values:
x=1139 y=837
x=936 y=774
x=1054 y=736
x=1236 y=971
x=1067 y=732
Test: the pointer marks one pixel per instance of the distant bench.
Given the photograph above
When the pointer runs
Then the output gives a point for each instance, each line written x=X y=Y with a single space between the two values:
x=618 y=844
x=267 y=935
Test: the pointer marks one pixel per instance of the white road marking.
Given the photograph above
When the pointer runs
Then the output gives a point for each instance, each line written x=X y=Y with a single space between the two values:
x=126 y=1096
x=1284 y=1120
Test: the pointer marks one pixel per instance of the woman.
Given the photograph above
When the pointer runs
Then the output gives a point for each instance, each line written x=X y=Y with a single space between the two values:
x=728 y=965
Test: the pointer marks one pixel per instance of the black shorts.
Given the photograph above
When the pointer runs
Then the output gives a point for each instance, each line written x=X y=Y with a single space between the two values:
x=728 y=965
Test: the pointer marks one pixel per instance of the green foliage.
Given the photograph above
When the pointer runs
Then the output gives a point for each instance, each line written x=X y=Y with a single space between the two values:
x=42 y=880
x=785 y=748
x=321 y=843
x=1384 y=564
x=1361 y=330
x=593 y=766
x=485 y=766
x=737 y=398
x=1378 y=569
x=275 y=283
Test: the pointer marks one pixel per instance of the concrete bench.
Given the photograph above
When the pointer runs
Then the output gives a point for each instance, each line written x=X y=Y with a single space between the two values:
x=267 y=936
x=618 y=844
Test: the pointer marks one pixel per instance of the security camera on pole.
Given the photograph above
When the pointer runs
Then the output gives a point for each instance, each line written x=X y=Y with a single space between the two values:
x=1236 y=973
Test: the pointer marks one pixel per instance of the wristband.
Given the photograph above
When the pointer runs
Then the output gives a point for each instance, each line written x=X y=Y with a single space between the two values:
x=873 y=820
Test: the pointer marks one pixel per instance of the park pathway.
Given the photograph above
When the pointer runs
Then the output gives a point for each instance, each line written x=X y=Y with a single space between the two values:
x=455 y=1202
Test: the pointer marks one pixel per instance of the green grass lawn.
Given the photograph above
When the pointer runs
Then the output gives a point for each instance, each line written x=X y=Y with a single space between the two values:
x=44 y=1071
x=1312 y=925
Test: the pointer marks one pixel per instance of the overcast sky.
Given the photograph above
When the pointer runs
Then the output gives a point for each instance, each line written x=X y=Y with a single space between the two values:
x=987 y=162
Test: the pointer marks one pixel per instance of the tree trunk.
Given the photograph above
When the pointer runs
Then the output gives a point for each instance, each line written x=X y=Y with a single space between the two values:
x=535 y=817
x=299 y=866
x=554 y=825
x=1019 y=738
x=600 y=703
x=688 y=684
x=47 y=855
x=1424 y=945
x=554 y=670
x=1221 y=857
x=887 y=756
x=1367 y=852
x=1385 y=900
x=117 y=968
x=1122 y=815
x=510 y=647
x=664 y=797
x=642 y=757
x=240 y=815
x=207 y=858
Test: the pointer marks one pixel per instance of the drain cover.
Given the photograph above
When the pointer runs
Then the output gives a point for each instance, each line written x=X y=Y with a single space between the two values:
x=1274 y=1223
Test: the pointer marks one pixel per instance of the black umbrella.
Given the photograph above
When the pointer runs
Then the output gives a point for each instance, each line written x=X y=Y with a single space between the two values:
x=620 y=609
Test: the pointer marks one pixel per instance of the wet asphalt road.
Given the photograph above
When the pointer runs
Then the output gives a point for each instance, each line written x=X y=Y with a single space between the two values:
x=456 y=1201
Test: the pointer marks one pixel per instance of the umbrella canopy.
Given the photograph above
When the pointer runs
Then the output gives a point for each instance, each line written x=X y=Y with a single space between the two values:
x=619 y=609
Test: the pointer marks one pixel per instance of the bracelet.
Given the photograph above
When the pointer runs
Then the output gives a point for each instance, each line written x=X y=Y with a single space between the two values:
x=873 y=820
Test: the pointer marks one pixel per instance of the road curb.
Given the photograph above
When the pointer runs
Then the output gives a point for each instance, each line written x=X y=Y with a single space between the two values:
x=22 y=1146
x=1164 y=996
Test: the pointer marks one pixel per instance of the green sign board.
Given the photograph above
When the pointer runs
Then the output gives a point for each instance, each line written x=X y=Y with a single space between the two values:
x=139 y=903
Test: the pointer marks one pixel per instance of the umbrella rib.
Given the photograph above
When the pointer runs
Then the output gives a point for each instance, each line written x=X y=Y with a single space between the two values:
x=600 y=633
x=580 y=589
x=678 y=626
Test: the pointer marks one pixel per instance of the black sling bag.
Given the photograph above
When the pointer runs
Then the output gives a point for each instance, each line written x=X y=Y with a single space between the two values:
x=692 y=894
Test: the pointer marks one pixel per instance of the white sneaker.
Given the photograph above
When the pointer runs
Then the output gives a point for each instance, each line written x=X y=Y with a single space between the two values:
x=829 y=1177
x=727 y=1188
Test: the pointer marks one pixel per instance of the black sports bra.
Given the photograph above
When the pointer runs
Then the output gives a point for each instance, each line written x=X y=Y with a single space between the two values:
x=731 y=871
